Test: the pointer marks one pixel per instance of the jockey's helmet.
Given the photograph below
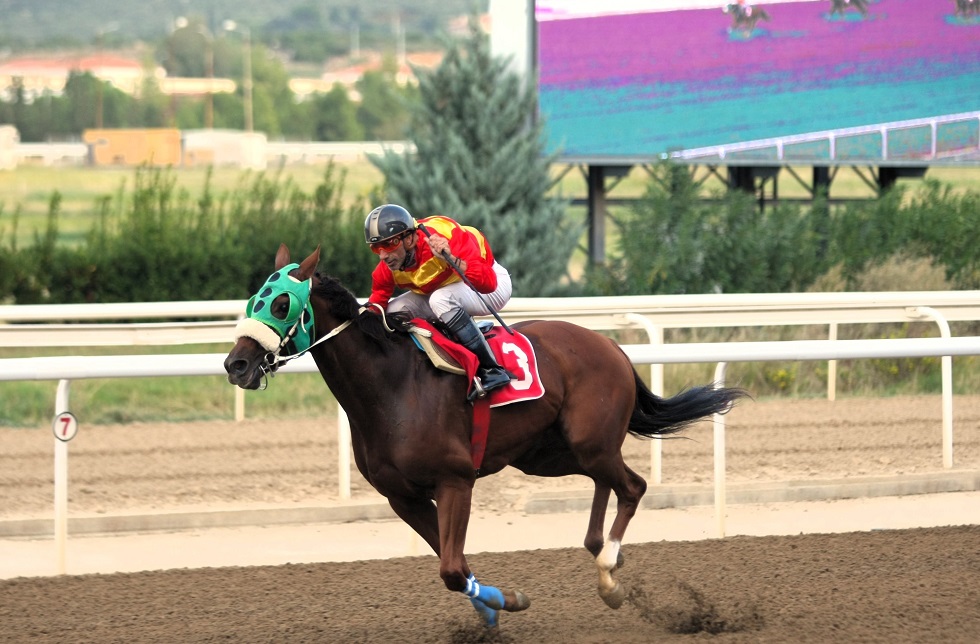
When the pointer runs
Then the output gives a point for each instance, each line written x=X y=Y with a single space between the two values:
x=387 y=221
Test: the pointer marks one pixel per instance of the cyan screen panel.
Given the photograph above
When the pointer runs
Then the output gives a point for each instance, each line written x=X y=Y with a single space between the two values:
x=641 y=78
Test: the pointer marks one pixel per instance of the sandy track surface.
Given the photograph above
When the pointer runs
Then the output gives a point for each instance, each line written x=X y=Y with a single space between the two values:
x=900 y=587
x=896 y=586
x=159 y=466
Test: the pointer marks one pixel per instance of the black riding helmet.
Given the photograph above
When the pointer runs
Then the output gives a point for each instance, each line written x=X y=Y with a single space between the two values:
x=387 y=221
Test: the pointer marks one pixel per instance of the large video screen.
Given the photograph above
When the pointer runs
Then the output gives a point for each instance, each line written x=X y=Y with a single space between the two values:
x=632 y=78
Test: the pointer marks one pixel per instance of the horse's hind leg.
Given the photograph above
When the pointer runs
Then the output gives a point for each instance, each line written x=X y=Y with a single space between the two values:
x=629 y=488
x=628 y=494
x=593 y=536
x=597 y=518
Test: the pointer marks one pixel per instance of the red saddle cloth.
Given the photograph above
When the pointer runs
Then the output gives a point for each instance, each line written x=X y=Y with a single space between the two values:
x=514 y=353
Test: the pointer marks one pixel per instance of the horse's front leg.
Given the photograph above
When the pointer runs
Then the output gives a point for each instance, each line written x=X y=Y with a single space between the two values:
x=453 y=500
x=420 y=515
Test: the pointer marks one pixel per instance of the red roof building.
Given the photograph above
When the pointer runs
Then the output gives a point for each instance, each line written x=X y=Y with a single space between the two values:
x=40 y=74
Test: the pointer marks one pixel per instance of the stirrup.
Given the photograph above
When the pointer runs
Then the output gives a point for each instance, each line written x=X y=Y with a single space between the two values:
x=478 y=390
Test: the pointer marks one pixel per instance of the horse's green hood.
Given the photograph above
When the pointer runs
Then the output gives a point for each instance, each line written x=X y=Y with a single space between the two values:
x=299 y=319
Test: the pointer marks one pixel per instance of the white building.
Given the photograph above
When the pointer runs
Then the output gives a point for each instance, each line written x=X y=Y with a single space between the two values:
x=9 y=138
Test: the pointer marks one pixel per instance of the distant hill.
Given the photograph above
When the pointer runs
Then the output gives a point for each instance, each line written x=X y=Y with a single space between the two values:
x=50 y=24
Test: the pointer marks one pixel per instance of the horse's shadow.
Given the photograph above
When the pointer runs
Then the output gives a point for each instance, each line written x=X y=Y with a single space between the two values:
x=741 y=35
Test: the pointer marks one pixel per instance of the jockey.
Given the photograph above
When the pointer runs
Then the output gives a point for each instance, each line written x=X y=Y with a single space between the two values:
x=416 y=263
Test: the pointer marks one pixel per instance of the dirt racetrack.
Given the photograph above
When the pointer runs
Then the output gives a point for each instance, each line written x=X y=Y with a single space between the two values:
x=888 y=586
x=896 y=587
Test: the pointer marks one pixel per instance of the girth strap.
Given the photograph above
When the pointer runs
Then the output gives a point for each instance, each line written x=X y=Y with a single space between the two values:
x=481 y=428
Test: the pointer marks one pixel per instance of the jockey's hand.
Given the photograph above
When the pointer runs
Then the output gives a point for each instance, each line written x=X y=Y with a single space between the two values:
x=438 y=244
x=440 y=248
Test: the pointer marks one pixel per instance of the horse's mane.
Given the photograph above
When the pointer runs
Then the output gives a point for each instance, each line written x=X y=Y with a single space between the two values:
x=344 y=306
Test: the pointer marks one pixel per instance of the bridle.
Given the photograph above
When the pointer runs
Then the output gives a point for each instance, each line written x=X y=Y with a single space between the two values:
x=273 y=360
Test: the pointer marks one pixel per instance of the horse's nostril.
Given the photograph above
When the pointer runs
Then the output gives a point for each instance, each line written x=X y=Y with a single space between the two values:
x=236 y=367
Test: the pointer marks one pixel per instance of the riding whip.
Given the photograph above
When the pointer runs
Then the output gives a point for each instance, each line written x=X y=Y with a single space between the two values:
x=446 y=256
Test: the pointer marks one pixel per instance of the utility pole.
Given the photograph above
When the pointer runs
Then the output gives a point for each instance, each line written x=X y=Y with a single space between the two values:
x=99 y=81
x=231 y=25
x=182 y=22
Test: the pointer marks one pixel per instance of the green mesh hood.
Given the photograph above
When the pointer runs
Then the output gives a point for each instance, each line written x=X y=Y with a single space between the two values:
x=259 y=308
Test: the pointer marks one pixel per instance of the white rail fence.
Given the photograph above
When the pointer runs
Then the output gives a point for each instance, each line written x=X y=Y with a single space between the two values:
x=45 y=325
x=72 y=325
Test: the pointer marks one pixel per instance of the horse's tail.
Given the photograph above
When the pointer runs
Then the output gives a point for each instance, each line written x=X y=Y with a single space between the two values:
x=654 y=416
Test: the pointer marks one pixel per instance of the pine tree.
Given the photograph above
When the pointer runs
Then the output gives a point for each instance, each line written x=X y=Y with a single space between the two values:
x=479 y=158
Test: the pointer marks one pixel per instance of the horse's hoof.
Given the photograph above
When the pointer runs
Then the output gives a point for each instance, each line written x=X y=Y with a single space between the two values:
x=614 y=598
x=489 y=615
x=516 y=601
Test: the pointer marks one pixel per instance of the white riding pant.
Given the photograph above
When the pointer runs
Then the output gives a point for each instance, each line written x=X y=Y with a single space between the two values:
x=445 y=301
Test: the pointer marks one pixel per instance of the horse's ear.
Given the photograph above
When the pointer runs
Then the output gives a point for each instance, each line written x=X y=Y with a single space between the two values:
x=282 y=256
x=308 y=265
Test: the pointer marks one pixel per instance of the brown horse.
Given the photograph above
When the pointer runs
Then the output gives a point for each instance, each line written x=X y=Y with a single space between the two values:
x=410 y=424
x=967 y=8
x=840 y=7
x=745 y=17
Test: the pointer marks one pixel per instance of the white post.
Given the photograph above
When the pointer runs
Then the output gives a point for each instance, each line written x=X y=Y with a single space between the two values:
x=343 y=453
x=832 y=367
x=239 y=396
x=655 y=334
x=947 y=377
x=61 y=482
x=719 y=448
x=239 y=404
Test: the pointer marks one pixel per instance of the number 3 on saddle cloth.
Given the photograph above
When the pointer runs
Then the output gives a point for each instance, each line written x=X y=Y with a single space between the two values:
x=513 y=352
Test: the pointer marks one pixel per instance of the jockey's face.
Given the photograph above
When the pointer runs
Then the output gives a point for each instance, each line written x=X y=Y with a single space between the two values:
x=395 y=258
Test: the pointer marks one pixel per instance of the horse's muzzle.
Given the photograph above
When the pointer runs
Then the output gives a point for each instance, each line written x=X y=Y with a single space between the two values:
x=245 y=364
x=240 y=373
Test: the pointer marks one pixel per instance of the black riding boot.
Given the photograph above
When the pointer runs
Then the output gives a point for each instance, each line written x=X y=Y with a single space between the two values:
x=491 y=374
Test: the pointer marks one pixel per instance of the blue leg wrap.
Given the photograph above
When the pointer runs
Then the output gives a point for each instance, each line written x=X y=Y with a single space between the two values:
x=488 y=614
x=489 y=595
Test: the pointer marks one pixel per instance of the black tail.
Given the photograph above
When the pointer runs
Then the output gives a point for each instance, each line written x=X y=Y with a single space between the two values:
x=654 y=416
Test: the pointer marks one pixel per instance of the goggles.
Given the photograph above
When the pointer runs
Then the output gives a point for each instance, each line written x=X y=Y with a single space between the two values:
x=386 y=245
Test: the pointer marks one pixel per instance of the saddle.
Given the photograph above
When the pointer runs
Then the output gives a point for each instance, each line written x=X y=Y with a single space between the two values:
x=440 y=358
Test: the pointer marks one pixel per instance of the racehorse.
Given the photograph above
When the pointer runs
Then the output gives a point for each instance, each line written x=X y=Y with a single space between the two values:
x=411 y=425
x=967 y=8
x=745 y=17
x=840 y=7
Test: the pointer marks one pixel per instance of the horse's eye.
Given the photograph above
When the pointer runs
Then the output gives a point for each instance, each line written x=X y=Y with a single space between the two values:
x=280 y=308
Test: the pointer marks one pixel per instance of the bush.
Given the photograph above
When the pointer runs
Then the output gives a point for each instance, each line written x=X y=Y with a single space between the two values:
x=675 y=241
x=160 y=244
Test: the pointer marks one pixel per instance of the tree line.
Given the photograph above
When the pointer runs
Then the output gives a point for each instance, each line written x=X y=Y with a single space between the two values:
x=380 y=113
x=675 y=241
x=301 y=30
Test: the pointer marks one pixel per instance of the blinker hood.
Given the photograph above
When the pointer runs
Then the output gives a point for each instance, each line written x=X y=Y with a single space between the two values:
x=259 y=307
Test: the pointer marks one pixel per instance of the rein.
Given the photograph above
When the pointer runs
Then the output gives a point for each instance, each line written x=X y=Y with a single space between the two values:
x=273 y=360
